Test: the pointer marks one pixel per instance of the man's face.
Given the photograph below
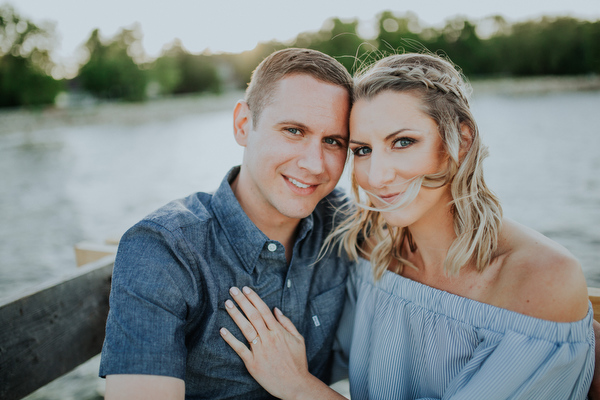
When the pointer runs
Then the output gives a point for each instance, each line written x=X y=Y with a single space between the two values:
x=295 y=154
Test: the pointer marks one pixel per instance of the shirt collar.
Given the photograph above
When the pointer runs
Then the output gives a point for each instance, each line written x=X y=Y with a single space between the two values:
x=244 y=236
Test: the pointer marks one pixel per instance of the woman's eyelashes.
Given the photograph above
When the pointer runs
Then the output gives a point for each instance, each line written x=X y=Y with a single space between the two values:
x=403 y=142
x=399 y=143
x=361 y=151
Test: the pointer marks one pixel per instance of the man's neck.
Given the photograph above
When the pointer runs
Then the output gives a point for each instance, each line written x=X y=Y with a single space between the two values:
x=272 y=223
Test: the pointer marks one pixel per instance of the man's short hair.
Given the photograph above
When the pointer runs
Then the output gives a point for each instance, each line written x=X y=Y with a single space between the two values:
x=291 y=61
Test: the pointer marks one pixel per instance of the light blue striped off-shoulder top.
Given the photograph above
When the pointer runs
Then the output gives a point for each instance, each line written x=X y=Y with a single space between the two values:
x=406 y=340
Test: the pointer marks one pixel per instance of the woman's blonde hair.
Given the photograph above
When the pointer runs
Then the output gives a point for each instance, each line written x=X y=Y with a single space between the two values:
x=477 y=214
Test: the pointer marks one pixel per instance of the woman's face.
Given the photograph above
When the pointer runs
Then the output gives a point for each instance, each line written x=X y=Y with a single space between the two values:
x=393 y=141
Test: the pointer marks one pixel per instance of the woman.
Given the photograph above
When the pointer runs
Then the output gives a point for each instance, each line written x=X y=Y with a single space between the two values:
x=456 y=301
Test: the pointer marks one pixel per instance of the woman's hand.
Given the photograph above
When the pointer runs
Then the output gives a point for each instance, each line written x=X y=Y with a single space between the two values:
x=277 y=355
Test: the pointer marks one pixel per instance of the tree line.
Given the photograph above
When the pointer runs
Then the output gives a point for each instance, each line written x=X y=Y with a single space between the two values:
x=117 y=68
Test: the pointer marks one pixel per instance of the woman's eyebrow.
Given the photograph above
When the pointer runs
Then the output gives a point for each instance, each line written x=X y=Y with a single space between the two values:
x=387 y=138
x=391 y=135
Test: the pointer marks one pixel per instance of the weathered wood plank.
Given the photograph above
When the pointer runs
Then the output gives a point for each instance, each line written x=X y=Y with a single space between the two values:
x=88 y=252
x=48 y=332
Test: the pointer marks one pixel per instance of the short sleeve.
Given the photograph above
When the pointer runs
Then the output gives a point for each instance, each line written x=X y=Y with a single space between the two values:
x=522 y=367
x=145 y=330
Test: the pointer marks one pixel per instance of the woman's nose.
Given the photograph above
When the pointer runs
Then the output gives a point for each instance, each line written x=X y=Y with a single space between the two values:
x=381 y=173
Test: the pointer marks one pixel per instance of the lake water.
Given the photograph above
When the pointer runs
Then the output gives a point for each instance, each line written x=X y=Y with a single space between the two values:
x=65 y=183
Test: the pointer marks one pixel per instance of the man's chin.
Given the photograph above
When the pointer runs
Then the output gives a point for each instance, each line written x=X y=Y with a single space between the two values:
x=298 y=211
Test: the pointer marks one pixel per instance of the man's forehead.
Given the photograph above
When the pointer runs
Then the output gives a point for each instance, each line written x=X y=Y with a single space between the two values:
x=306 y=90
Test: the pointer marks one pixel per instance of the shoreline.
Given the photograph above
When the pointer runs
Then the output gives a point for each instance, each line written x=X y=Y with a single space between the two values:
x=99 y=113
x=538 y=85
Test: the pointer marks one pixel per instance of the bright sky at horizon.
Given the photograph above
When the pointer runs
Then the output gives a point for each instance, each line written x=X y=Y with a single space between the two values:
x=238 y=25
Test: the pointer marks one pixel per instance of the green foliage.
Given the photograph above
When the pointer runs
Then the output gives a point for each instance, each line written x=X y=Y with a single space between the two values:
x=22 y=84
x=244 y=63
x=25 y=63
x=117 y=69
x=177 y=71
x=549 y=46
x=165 y=73
x=111 y=72
x=338 y=39
x=552 y=47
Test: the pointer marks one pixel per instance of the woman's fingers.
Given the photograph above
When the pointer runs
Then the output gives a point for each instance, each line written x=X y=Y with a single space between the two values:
x=287 y=323
x=261 y=306
x=248 y=330
x=254 y=316
x=236 y=345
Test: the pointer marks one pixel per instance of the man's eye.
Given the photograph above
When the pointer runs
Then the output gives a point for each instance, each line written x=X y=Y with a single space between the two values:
x=362 y=151
x=332 y=141
x=293 y=131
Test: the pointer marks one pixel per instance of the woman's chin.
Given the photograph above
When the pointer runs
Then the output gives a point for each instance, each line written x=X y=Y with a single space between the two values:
x=395 y=220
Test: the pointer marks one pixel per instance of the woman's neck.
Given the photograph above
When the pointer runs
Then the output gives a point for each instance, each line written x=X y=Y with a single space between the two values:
x=432 y=237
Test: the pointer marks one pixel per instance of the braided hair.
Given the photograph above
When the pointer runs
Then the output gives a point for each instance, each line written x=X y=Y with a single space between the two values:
x=477 y=214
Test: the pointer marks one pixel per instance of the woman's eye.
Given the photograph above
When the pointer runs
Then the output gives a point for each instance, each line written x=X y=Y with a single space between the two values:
x=362 y=151
x=403 y=142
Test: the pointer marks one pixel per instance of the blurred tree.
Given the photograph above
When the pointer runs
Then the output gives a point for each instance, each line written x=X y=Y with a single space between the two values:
x=164 y=73
x=111 y=72
x=198 y=72
x=244 y=63
x=459 y=40
x=338 y=39
x=25 y=64
x=591 y=45
x=400 y=33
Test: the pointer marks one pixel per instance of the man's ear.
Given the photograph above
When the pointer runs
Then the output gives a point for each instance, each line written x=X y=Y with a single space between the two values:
x=242 y=122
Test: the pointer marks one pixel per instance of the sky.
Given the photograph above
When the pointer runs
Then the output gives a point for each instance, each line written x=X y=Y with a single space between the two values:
x=238 y=25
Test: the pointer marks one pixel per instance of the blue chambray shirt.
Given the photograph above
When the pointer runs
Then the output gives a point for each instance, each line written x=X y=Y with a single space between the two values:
x=172 y=276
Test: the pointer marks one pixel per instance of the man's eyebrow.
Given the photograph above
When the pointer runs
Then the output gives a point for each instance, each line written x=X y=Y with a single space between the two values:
x=295 y=123
x=339 y=137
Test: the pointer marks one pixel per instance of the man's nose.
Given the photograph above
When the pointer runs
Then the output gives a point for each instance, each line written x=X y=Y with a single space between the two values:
x=312 y=158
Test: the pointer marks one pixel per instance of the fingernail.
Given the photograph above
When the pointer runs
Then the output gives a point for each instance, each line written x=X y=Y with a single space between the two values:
x=278 y=311
x=234 y=291
x=223 y=331
x=229 y=303
x=246 y=290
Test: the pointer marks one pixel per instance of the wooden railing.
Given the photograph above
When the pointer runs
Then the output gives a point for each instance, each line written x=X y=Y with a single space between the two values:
x=49 y=331
x=54 y=328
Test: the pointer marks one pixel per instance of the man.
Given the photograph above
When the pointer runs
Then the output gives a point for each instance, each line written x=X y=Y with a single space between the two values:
x=262 y=228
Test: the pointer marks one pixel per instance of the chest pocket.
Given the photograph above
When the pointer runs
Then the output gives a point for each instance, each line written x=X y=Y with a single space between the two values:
x=323 y=316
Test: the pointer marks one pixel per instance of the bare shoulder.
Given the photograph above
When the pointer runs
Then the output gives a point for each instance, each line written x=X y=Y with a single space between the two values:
x=544 y=279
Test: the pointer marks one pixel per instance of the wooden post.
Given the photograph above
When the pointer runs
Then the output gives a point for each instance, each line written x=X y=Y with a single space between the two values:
x=87 y=252
x=47 y=332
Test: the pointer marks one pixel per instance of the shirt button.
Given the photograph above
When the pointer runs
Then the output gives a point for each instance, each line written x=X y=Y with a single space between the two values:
x=289 y=283
x=272 y=247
